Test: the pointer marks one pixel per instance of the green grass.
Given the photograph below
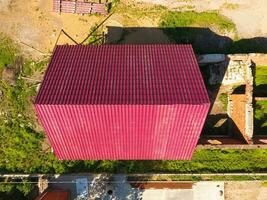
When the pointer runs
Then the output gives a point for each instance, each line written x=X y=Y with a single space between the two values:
x=224 y=99
x=260 y=88
x=208 y=32
x=194 y=19
x=261 y=75
x=20 y=143
x=230 y=6
x=198 y=178
x=16 y=191
x=260 y=120
x=96 y=37
x=202 y=30
x=204 y=161
x=7 y=51
x=30 y=67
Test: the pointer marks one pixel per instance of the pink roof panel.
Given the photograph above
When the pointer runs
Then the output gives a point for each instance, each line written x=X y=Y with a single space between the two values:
x=123 y=102
x=123 y=74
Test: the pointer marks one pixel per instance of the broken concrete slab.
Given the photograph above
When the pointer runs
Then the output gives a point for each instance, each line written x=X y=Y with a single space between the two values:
x=211 y=58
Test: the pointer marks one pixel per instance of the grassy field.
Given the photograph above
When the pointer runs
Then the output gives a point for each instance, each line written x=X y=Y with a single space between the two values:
x=261 y=75
x=260 y=90
x=194 y=19
x=224 y=99
x=7 y=51
x=165 y=177
x=260 y=120
x=202 y=30
x=21 y=143
x=208 y=32
x=204 y=161
x=17 y=191
x=260 y=81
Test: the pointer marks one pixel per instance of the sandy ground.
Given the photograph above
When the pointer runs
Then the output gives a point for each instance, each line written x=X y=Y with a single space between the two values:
x=36 y=28
x=250 y=16
x=32 y=23
x=245 y=190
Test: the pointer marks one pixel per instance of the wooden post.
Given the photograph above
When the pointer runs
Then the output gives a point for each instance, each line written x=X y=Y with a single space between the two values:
x=75 y=7
x=103 y=37
x=59 y=6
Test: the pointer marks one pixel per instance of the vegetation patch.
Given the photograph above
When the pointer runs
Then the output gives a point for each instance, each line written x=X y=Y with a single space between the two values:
x=7 y=51
x=230 y=6
x=132 y=12
x=194 y=19
x=96 y=37
x=224 y=100
x=20 y=143
x=260 y=119
x=17 y=189
x=21 y=152
x=185 y=8
x=208 y=32
x=260 y=81
x=189 y=177
x=199 y=29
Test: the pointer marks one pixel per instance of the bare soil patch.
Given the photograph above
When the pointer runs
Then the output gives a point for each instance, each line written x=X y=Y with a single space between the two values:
x=35 y=27
x=245 y=190
x=248 y=15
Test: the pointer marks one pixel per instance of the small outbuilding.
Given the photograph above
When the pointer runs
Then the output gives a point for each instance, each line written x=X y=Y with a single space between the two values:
x=123 y=102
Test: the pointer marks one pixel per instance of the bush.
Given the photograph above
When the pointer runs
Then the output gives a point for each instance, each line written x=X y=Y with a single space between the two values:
x=194 y=19
x=199 y=30
x=260 y=122
x=7 y=51
x=224 y=99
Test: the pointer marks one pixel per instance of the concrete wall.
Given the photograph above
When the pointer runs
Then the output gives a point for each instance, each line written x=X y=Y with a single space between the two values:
x=234 y=69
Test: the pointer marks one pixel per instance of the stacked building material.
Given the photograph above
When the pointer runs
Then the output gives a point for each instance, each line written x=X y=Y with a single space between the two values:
x=56 y=5
x=82 y=7
x=68 y=6
x=98 y=8
x=79 y=7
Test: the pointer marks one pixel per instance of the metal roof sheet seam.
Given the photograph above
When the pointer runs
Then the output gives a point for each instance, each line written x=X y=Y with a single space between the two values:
x=123 y=102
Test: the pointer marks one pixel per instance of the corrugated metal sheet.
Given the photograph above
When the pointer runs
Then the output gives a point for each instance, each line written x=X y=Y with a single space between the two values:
x=123 y=102
x=123 y=74
x=54 y=195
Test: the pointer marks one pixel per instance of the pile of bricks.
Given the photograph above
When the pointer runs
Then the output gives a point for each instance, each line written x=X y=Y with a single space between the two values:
x=79 y=7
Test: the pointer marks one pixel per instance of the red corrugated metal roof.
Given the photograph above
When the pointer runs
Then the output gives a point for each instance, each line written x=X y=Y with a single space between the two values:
x=53 y=195
x=123 y=102
x=123 y=74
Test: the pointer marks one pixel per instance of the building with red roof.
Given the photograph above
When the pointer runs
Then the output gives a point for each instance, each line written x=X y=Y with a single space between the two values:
x=123 y=102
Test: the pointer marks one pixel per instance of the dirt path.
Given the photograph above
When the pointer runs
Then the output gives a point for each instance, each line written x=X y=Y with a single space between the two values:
x=250 y=16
